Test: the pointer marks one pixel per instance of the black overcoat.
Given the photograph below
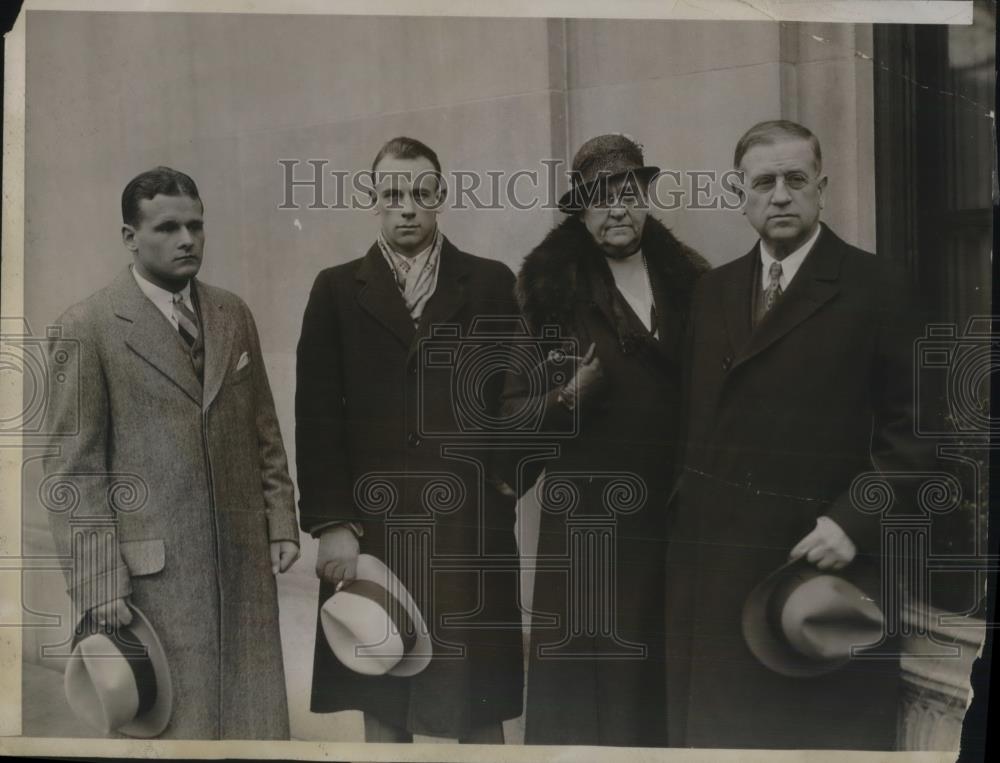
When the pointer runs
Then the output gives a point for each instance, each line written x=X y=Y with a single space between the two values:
x=782 y=419
x=595 y=673
x=373 y=417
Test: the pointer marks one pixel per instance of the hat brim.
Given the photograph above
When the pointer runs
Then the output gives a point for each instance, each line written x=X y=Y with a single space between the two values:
x=153 y=722
x=568 y=201
x=770 y=648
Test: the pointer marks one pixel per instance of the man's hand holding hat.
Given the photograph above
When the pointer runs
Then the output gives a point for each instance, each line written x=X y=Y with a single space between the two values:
x=114 y=613
x=337 y=556
x=827 y=546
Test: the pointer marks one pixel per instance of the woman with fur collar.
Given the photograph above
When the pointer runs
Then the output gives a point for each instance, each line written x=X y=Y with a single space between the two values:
x=606 y=293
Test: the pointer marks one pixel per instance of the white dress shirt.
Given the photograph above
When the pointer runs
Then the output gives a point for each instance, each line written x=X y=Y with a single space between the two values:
x=163 y=299
x=789 y=266
x=632 y=281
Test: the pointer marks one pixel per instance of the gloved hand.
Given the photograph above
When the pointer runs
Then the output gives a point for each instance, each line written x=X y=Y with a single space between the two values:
x=114 y=613
x=337 y=557
x=587 y=381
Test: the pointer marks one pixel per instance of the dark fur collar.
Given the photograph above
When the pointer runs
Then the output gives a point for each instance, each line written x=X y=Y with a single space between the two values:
x=553 y=275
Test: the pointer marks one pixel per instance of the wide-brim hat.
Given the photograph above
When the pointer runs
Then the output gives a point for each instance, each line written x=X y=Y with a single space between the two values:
x=599 y=161
x=373 y=625
x=118 y=679
x=802 y=622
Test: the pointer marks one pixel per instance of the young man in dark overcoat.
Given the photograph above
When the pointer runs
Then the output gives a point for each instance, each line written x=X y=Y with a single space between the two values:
x=382 y=467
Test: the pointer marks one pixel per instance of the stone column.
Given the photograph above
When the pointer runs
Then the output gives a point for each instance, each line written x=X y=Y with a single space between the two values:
x=935 y=691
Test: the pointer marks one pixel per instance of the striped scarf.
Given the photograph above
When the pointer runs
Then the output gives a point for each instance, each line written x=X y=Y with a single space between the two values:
x=415 y=276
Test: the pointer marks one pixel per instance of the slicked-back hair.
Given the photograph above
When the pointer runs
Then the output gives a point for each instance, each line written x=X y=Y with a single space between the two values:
x=767 y=133
x=406 y=148
x=146 y=185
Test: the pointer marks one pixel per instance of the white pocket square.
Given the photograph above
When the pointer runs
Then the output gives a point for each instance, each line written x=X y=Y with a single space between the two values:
x=243 y=361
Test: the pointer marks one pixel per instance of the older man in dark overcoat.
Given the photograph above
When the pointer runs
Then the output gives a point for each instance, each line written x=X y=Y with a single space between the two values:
x=383 y=469
x=801 y=379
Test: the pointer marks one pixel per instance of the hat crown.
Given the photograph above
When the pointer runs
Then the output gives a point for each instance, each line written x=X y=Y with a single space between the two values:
x=606 y=155
x=826 y=617
x=118 y=678
x=803 y=622
x=373 y=626
x=105 y=692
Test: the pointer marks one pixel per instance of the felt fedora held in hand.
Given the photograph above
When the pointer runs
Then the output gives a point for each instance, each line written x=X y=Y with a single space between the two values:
x=598 y=161
x=118 y=679
x=373 y=625
x=803 y=622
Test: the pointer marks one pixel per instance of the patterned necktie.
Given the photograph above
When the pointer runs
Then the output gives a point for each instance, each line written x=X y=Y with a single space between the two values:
x=773 y=290
x=187 y=326
x=401 y=271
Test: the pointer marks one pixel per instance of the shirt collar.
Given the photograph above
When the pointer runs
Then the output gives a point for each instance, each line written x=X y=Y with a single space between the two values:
x=158 y=295
x=790 y=265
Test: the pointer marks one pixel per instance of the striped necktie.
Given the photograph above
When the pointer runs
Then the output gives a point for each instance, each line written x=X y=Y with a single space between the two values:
x=773 y=290
x=187 y=327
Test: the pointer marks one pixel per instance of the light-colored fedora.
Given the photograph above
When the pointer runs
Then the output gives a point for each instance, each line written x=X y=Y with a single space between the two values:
x=118 y=679
x=373 y=625
x=803 y=622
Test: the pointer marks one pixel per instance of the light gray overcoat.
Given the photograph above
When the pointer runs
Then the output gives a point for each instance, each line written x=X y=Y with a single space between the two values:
x=191 y=545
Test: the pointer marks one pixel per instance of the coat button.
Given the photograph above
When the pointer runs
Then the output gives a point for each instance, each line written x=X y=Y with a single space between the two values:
x=413 y=439
x=727 y=362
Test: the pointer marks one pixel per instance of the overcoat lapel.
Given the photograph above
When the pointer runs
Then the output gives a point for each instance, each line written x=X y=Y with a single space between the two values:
x=737 y=296
x=449 y=295
x=379 y=296
x=815 y=284
x=671 y=308
x=596 y=282
x=150 y=335
x=217 y=333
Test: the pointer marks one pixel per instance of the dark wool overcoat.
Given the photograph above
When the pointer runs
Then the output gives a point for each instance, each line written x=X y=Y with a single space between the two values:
x=595 y=674
x=211 y=491
x=390 y=434
x=782 y=419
